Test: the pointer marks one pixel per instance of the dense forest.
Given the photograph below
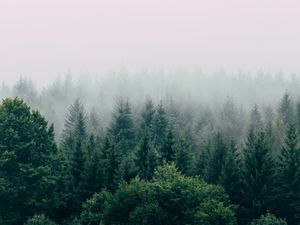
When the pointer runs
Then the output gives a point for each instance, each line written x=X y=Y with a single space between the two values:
x=151 y=148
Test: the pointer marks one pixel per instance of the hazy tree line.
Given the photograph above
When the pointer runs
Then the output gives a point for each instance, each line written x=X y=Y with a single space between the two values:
x=161 y=159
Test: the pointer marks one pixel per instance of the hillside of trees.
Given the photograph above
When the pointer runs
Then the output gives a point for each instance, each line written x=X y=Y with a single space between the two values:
x=214 y=151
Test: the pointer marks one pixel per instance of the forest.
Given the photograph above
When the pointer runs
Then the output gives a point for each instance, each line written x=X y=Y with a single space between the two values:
x=151 y=148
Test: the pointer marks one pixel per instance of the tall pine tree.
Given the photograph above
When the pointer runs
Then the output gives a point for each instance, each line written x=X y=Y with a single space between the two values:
x=288 y=175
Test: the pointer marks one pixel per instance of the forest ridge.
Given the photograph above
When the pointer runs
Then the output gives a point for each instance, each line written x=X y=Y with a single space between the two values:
x=151 y=157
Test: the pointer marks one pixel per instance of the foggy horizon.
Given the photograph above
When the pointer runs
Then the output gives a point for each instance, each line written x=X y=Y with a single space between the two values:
x=42 y=40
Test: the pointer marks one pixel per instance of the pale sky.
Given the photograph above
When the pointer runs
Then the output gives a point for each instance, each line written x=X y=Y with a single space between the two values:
x=43 y=38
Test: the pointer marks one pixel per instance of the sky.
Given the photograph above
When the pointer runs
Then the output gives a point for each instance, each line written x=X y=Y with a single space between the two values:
x=41 y=39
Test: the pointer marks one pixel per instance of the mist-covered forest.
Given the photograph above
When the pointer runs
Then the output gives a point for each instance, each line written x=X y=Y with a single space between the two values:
x=151 y=147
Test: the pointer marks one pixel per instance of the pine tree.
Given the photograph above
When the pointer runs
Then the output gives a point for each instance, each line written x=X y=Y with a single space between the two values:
x=146 y=158
x=122 y=128
x=159 y=127
x=288 y=195
x=147 y=116
x=258 y=179
x=110 y=159
x=183 y=157
x=286 y=110
x=168 y=148
x=255 y=119
x=216 y=159
x=75 y=128
x=298 y=116
x=94 y=171
x=30 y=164
x=74 y=144
x=231 y=175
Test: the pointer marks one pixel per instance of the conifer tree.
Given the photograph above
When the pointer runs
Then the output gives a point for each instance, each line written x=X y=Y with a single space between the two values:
x=258 y=179
x=183 y=157
x=147 y=116
x=159 y=127
x=288 y=195
x=94 y=171
x=231 y=175
x=122 y=127
x=168 y=148
x=30 y=165
x=110 y=159
x=146 y=158
x=255 y=119
x=216 y=159
x=286 y=110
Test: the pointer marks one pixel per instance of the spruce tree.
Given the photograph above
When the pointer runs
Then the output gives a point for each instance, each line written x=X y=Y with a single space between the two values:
x=30 y=164
x=147 y=116
x=286 y=110
x=231 y=174
x=146 y=158
x=258 y=177
x=288 y=175
x=110 y=159
x=216 y=159
x=183 y=157
x=168 y=148
x=255 y=119
x=122 y=129
x=159 y=127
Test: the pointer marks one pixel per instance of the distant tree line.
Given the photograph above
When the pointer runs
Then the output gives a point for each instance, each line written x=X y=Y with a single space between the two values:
x=150 y=166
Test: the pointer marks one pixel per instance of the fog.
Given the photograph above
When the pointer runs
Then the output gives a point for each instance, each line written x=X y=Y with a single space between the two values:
x=192 y=97
x=42 y=39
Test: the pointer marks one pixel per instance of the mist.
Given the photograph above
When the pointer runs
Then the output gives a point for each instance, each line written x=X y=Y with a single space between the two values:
x=144 y=112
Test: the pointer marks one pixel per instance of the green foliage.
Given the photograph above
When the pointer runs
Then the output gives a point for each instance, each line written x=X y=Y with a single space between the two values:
x=93 y=208
x=183 y=157
x=159 y=127
x=215 y=212
x=286 y=110
x=30 y=165
x=168 y=148
x=40 y=220
x=255 y=119
x=258 y=181
x=288 y=177
x=169 y=198
x=122 y=128
x=217 y=158
x=268 y=219
x=231 y=174
x=146 y=158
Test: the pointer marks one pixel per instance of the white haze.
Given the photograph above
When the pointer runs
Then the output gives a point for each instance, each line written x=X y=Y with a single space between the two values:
x=42 y=39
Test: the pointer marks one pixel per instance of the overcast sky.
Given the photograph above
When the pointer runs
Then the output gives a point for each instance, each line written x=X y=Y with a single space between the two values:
x=44 y=38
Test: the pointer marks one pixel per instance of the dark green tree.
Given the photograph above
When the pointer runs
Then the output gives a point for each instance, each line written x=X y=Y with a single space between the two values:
x=268 y=219
x=168 y=199
x=168 y=148
x=231 y=174
x=94 y=171
x=183 y=156
x=255 y=119
x=74 y=144
x=146 y=158
x=258 y=179
x=30 y=164
x=122 y=128
x=286 y=110
x=147 y=116
x=110 y=159
x=74 y=128
x=40 y=220
x=288 y=177
x=216 y=159
x=159 y=127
